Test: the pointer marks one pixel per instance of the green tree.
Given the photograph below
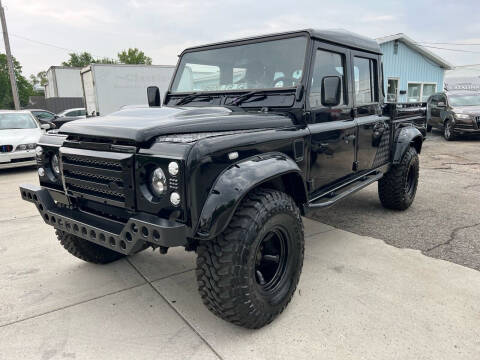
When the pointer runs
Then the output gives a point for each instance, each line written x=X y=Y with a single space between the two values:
x=79 y=59
x=134 y=56
x=25 y=89
x=83 y=59
x=40 y=78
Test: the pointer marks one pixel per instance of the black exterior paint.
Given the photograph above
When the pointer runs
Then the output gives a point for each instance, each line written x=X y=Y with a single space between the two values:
x=281 y=143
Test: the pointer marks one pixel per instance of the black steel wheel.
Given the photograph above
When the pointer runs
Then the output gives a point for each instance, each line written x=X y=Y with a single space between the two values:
x=397 y=188
x=249 y=273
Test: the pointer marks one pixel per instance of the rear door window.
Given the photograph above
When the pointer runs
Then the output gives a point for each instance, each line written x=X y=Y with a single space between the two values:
x=364 y=72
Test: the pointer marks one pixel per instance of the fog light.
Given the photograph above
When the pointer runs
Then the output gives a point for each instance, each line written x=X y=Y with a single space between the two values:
x=39 y=151
x=173 y=168
x=175 y=198
x=41 y=172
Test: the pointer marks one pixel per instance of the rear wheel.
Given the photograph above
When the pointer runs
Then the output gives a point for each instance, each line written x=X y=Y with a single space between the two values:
x=448 y=131
x=397 y=188
x=86 y=250
x=249 y=273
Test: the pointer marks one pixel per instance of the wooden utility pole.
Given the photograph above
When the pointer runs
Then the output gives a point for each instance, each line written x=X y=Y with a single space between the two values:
x=11 y=70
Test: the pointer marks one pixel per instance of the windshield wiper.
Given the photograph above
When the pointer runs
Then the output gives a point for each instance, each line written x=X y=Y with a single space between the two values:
x=238 y=100
x=192 y=96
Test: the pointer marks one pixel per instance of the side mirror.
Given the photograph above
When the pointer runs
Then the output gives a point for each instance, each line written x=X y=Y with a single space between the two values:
x=153 y=96
x=441 y=104
x=331 y=90
x=48 y=126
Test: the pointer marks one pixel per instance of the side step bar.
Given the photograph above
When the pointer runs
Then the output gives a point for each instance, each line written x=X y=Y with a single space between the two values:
x=333 y=196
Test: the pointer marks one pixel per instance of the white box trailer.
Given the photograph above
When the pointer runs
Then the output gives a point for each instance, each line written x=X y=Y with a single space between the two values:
x=109 y=87
x=63 y=81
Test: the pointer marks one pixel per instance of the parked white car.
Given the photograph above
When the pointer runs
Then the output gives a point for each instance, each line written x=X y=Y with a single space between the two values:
x=73 y=112
x=19 y=134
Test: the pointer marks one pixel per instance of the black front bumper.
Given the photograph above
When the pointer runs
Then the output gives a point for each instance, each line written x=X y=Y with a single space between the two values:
x=126 y=238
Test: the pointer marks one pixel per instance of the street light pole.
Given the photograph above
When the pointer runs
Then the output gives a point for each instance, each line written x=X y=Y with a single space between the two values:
x=11 y=70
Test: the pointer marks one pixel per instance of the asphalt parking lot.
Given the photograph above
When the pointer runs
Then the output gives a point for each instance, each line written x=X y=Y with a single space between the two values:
x=358 y=297
x=443 y=221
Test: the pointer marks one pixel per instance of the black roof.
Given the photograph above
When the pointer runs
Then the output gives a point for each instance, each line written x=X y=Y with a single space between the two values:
x=336 y=36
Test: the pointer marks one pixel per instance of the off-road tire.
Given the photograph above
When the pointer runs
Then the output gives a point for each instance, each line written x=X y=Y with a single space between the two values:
x=448 y=133
x=226 y=266
x=397 y=188
x=86 y=250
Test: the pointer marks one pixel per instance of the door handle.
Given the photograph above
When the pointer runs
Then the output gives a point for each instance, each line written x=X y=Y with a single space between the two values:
x=349 y=138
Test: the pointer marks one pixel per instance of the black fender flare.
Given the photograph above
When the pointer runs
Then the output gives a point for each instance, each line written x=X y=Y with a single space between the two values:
x=406 y=137
x=237 y=181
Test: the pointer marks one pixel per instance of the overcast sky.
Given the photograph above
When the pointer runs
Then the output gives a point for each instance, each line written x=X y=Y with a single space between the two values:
x=163 y=28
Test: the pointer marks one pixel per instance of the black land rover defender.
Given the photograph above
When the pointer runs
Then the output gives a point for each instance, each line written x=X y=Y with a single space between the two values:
x=253 y=134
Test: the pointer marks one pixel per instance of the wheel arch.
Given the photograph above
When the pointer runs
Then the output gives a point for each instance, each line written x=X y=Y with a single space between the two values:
x=406 y=137
x=271 y=170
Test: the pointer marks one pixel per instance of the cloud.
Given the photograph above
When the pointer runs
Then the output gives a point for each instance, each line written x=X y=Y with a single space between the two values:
x=162 y=29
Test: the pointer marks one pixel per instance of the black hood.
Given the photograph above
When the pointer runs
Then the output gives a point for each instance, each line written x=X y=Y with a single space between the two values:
x=143 y=124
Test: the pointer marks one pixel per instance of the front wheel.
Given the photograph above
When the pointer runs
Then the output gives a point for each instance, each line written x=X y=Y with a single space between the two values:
x=397 y=188
x=448 y=131
x=249 y=273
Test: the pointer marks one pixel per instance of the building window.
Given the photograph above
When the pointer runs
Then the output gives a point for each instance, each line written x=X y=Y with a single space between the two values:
x=326 y=64
x=364 y=76
x=428 y=90
x=420 y=92
x=392 y=90
x=414 y=92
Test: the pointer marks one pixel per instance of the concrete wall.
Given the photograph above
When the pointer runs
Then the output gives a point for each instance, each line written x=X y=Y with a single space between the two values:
x=409 y=66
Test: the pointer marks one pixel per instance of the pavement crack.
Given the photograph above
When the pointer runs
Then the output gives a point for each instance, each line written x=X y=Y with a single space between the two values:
x=70 y=305
x=175 y=310
x=453 y=234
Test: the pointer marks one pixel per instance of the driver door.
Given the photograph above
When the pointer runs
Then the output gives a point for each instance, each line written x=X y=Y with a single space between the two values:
x=333 y=129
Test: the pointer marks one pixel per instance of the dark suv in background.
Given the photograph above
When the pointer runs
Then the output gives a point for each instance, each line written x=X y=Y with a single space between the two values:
x=456 y=113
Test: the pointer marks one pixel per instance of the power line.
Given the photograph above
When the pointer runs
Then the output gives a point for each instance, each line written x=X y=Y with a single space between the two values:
x=442 y=43
x=442 y=48
x=51 y=45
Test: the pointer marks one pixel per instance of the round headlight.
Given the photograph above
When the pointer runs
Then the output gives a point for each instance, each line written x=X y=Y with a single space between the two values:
x=39 y=151
x=173 y=168
x=22 y=147
x=158 y=182
x=175 y=198
x=31 y=146
x=54 y=164
x=41 y=172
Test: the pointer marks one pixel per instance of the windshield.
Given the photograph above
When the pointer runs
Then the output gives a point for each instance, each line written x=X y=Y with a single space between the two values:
x=261 y=65
x=16 y=121
x=464 y=100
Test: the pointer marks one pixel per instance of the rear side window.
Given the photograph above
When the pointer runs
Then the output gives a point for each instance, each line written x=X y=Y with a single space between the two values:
x=365 y=71
x=327 y=63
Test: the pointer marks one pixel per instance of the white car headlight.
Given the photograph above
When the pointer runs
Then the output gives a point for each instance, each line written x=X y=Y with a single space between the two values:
x=39 y=151
x=462 y=116
x=158 y=182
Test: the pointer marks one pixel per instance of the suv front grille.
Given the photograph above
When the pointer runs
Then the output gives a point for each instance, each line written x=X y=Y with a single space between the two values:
x=99 y=176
